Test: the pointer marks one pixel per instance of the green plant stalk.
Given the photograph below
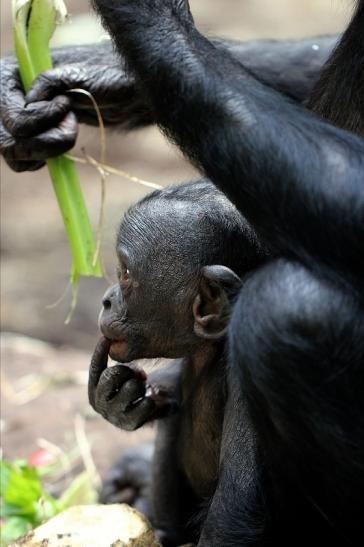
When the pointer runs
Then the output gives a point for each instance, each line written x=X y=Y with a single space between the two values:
x=34 y=23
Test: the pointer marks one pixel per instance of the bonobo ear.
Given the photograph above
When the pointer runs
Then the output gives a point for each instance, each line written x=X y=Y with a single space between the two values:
x=212 y=305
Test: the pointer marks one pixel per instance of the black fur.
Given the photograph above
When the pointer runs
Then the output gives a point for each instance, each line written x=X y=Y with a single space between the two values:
x=297 y=332
x=292 y=67
x=176 y=248
x=292 y=442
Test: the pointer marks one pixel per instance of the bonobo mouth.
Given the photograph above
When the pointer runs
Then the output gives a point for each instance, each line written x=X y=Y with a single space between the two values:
x=118 y=350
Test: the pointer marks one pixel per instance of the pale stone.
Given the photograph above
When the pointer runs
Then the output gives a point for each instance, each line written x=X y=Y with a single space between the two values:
x=93 y=526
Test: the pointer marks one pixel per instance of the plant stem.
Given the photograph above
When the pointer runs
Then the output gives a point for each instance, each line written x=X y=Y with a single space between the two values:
x=34 y=24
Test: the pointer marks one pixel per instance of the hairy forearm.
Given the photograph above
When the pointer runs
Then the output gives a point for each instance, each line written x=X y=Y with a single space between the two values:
x=291 y=66
x=251 y=141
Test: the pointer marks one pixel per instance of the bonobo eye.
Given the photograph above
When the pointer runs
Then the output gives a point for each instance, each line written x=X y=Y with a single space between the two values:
x=123 y=275
x=126 y=274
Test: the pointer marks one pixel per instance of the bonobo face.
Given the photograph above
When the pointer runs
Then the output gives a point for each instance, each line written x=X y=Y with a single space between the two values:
x=165 y=304
x=149 y=311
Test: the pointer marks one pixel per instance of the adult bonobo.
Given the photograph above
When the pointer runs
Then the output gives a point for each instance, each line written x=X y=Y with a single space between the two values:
x=178 y=275
x=47 y=126
x=297 y=330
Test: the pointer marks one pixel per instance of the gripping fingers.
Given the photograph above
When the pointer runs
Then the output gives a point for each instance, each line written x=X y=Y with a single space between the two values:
x=25 y=121
x=120 y=398
x=22 y=121
x=137 y=415
x=56 y=81
x=98 y=364
x=110 y=384
x=30 y=153
x=8 y=150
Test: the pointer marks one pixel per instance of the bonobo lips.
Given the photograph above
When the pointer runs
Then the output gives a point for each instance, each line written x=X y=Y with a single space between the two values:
x=118 y=350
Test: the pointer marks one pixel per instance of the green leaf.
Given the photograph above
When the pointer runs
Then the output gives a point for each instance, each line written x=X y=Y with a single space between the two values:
x=46 y=508
x=5 y=472
x=23 y=494
x=13 y=529
x=23 y=486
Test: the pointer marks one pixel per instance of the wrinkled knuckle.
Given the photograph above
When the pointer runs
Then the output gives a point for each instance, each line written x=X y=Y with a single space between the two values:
x=8 y=153
x=130 y=425
x=69 y=129
x=12 y=120
x=69 y=137
x=101 y=408
x=115 y=419
x=6 y=143
x=35 y=165
x=93 y=405
x=46 y=79
x=16 y=166
x=62 y=103
x=107 y=376
x=92 y=396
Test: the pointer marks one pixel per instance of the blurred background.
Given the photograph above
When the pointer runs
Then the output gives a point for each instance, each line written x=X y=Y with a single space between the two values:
x=44 y=362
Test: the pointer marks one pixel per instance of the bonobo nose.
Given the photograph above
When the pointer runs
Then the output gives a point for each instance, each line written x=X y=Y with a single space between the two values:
x=111 y=312
x=111 y=299
x=106 y=303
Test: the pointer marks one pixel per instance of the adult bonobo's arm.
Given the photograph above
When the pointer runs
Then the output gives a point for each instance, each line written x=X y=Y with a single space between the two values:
x=292 y=67
x=237 y=513
x=31 y=134
x=297 y=179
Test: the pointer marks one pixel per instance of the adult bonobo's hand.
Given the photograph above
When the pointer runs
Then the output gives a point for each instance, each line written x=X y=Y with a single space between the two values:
x=43 y=124
x=31 y=134
x=123 y=395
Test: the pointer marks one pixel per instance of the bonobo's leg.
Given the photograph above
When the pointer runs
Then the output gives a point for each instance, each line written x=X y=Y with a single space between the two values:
x=238 y=514
x=173 y=503
x=297 y=351
x=129 y=480
x=297 y=179
x=148 y=477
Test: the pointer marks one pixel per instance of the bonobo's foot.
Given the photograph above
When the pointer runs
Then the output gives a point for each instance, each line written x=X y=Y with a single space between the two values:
x=122 y=394
x=129 y=479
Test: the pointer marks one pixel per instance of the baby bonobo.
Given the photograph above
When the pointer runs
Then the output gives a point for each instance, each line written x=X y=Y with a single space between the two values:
x=178 y=273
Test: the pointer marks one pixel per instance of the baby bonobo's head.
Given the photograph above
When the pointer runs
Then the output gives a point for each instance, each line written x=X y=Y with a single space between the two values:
x=181 y=254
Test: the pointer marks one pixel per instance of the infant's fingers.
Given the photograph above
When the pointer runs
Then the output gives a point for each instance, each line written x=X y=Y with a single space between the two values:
x=143 y=411
x=130 y=392
x=98 y=364
x=110 y=383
